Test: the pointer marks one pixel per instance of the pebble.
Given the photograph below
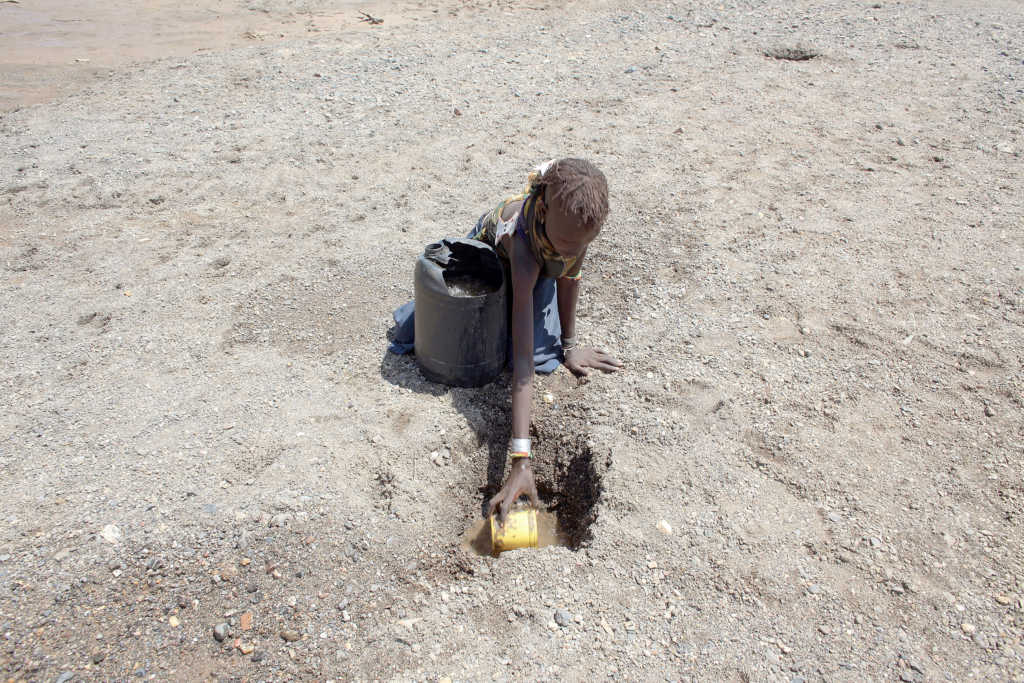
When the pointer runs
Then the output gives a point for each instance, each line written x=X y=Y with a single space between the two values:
x=98 y=656
x=562 y=617
x=835 y=517
x=245 y=621
x=220 y=631
x=665 y=528
x=814 y=589
x=967 y=627
x=65 y=677
x=289 y=636
x=173 y=621
x=110 y=533
x=989 y=411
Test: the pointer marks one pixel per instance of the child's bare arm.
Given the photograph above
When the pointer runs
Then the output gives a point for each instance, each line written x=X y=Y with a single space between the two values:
x=578 y=359
x=525 y=271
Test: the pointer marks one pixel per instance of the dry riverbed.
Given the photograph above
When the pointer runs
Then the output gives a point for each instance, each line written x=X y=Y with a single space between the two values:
x=810 y=469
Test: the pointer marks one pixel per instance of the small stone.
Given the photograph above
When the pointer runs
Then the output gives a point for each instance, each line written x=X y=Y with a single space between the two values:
x=814 y=589
x=245 y=621
x=1003 y=599
x=220 y=632
x=65 y=677
x=562 y=617
x=258 y=657
x=289 y=636
x=345 y=615
x=665 y=528
x=835 y=517
x=246 y=648
x=110 y=533
x=875 y=542
x=98 y=656
x=989 y=411
x=967 y=628
x=549 y=397
x=824 y=630
x=173 y=621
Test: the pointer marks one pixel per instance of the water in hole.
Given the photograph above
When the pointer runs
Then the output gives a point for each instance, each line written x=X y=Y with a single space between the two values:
x=478 y=537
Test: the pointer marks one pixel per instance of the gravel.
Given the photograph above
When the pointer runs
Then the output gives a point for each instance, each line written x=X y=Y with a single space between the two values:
x=200 y=255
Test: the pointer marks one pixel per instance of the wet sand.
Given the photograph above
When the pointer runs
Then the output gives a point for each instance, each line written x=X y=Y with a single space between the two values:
x=477 y=538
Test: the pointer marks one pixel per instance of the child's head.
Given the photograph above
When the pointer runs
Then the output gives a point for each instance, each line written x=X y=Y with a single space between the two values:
x=576 y=204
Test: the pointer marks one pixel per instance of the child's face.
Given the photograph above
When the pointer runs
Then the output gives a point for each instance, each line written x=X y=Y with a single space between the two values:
x=566 y=233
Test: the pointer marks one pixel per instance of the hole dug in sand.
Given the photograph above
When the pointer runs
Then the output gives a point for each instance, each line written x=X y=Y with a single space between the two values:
x=569 y=482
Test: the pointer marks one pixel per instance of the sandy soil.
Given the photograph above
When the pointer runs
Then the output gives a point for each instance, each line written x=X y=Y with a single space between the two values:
x=52 y=47
x=212 y=468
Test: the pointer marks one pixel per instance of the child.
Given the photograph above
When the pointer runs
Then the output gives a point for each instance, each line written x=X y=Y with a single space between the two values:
x=543 y=234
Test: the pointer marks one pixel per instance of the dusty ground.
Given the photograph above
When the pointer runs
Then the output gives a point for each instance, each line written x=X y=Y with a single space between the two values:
x=812 y=270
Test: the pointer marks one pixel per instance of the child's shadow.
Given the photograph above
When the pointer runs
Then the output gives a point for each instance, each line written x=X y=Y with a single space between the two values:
x=486 y=410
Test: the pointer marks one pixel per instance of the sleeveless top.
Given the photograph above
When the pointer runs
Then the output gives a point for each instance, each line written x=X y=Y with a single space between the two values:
x=526 y=227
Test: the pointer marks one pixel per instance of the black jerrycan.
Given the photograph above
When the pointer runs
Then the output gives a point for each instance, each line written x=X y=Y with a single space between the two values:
x=462 y=313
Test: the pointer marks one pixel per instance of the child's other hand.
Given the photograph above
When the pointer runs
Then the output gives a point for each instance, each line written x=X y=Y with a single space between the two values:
x=519 y=482
x=580 y=360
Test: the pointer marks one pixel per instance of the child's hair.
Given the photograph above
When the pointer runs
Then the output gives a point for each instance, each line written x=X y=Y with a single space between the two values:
x=582 y=188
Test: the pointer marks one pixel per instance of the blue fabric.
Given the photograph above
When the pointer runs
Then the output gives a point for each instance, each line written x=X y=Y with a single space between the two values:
x=547 y=329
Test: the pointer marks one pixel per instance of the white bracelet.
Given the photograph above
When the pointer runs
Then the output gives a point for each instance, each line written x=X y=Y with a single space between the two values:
x=519 y=445
x=569 y=343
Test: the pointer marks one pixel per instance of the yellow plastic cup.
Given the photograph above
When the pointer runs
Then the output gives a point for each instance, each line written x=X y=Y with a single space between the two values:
x=518 y=531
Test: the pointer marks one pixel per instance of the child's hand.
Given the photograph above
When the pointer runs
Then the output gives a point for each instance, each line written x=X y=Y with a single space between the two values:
x=579 y=360
x=519 y=482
